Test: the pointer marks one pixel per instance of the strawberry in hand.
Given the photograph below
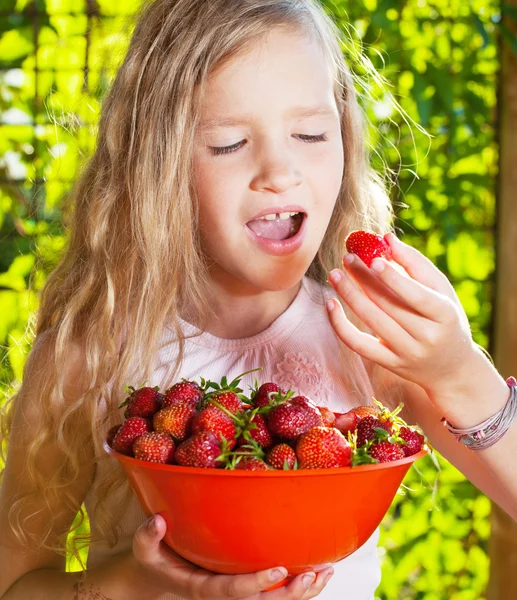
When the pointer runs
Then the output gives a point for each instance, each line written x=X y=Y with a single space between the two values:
x=420 y=332
x=367 y=245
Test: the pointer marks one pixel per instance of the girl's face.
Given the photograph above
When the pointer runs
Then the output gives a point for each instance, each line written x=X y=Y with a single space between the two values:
x=268 y=163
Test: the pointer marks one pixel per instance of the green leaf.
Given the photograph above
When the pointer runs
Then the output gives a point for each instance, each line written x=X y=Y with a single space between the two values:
x=481 y=29
x=15 y=45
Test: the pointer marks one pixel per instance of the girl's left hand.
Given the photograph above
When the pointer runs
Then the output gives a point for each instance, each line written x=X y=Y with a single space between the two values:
x=421 y=331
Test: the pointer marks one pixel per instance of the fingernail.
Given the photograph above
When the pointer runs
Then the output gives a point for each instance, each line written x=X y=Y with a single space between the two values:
x=377 y=265
x=391 y=237
x=278 y=574
x=151 y=526
x=330 y=305
x=308 y=579
x=335 y=276
x=349 y=259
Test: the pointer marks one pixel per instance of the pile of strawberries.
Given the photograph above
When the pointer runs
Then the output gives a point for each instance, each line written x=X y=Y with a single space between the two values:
x=214 y=425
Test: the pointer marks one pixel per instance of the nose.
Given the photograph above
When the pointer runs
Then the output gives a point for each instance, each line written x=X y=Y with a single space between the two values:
x=278 y=171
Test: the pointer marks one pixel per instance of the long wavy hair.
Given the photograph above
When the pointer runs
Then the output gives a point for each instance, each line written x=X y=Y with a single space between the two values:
x=133 y=228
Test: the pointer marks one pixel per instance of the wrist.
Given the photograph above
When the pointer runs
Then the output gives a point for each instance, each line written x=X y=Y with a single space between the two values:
x=484 y=435
x=477 y=393
x=129 y=579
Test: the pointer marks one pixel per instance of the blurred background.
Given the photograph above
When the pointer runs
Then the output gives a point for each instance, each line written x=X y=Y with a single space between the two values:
x=442 y=119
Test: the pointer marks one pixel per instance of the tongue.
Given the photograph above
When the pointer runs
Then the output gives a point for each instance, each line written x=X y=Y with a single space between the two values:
x=272 y=230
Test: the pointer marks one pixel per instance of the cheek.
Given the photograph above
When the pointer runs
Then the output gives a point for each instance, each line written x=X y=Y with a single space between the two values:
x=337 y=163
x=211 y=192
x=329 y=177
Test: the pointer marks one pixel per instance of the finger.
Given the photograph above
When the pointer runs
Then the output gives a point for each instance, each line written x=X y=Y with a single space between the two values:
x=427 y=302
x=322 y=578
x=147 y=540
x=294 y=590
x=419 y=267
x=385 y=297
x=237 y=586
x=299 y=587
x=369 y=313
x=362 y=343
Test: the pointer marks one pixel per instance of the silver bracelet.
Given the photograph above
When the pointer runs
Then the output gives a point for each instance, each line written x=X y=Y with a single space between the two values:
x=489 y=432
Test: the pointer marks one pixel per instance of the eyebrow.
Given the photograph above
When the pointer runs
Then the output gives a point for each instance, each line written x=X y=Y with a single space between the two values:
x=297 y=111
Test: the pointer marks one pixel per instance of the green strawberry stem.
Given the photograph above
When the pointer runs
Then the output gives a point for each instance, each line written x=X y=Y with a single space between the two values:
x=391 y=415
x=275 y=399
x=233 y=385
x=223 y=409
x=236 y=456
x=242 y=422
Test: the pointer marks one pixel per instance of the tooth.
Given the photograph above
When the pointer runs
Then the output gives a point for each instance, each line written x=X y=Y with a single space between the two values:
x=285 y=216
x=271 y=217
x=293 y=214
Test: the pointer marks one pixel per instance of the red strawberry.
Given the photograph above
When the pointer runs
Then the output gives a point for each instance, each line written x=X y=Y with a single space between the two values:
x=130 y=430
x=228 y=400
x=261 y=396
x=154 y=447
x=143 y=402
x=199 y=450
x=366 y=429
x=227 y=394
x=367 y=245
x=175 y=420
x=323 y=448
x=281 y=456
x=365 y=411
x=347 y=422
x=329 y=418
x=413 y=439
x=183 y=392
x=215 y=420
x=385 y=451
x=256 y=429
x=304 y=401
x=111 y=434
x=294 y=417
x=251 y=463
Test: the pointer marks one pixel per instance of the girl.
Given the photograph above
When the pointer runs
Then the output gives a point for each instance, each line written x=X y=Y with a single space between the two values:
x=229 y=168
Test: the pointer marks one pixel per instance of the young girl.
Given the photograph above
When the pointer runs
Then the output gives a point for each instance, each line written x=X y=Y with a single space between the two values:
x=229 y=169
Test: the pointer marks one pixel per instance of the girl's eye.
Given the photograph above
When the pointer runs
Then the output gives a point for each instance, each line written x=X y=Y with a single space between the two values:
x=227 y=149
x=308 y=139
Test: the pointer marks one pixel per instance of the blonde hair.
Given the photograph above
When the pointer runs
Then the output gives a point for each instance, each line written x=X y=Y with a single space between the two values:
x=132 y=239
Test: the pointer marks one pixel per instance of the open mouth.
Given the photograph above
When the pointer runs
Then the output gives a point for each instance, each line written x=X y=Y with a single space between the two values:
x=280 y=226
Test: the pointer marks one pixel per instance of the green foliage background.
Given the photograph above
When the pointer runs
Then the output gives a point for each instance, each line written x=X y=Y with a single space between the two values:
x=440 y=63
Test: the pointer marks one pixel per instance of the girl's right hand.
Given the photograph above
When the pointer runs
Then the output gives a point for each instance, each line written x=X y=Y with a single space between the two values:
x=168 y=572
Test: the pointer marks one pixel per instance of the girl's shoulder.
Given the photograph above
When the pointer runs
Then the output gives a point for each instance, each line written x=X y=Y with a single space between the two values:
x=43 y=364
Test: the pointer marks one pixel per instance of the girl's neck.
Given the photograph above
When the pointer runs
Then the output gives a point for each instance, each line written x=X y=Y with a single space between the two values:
x=242 y=314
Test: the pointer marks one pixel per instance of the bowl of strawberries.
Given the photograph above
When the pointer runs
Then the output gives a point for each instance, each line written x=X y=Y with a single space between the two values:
x=248 y=482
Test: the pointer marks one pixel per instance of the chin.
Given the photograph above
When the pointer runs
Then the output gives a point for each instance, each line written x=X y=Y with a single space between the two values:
x=279 y=279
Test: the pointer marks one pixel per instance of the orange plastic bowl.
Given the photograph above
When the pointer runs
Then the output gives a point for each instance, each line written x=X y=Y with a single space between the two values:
x=245 y=521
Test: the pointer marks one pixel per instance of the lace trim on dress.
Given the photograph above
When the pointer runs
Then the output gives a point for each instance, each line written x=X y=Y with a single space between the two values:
x=304 y=374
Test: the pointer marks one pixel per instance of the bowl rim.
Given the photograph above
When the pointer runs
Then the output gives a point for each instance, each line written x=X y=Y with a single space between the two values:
x=122 y=458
